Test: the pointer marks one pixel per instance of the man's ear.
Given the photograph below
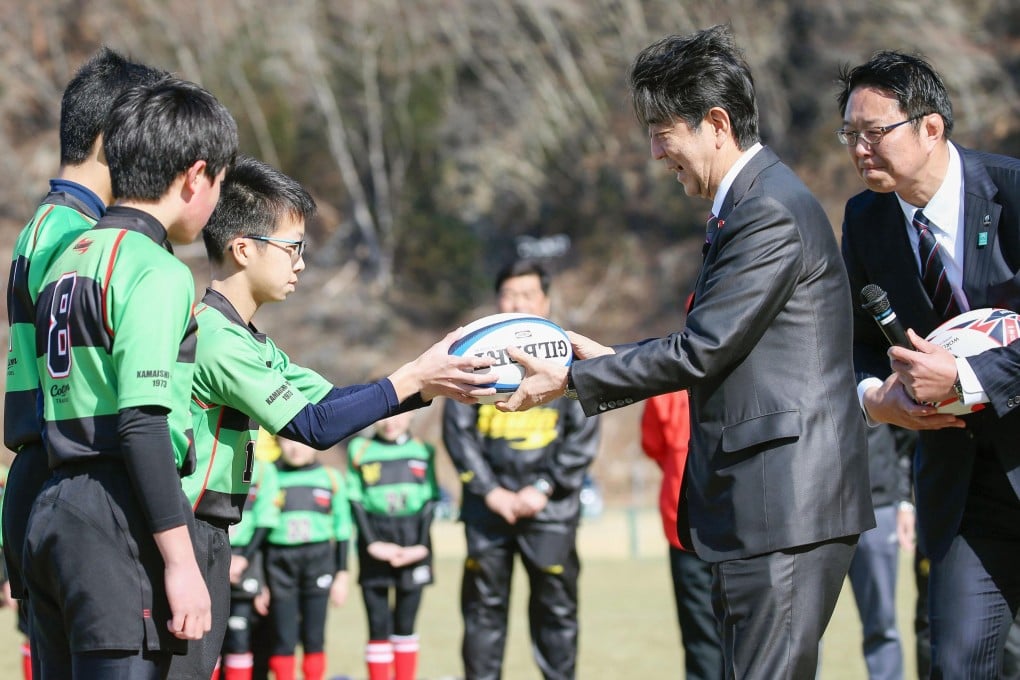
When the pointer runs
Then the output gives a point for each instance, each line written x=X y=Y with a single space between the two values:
x=239 y=250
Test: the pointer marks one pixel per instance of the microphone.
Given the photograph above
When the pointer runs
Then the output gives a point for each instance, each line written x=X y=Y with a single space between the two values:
x=876 y=303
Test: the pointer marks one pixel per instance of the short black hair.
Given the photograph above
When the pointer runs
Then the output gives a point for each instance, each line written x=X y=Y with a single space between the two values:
x=253 y=197
x=89 y=96
x=516 y=268
x=156 y=132
x=917 y=86
x=682 y=77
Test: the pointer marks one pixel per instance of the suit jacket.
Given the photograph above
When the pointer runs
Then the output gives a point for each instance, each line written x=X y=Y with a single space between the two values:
x=876 y=250
x=777 y=456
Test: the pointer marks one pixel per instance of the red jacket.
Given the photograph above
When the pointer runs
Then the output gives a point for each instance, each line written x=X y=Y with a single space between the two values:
x=665 y=433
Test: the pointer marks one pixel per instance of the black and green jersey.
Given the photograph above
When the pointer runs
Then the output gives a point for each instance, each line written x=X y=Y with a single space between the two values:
x=114 y=330
x=242 y=380
x=392 y=487
x=261 y=492
x=311 y=506
x=61 y=217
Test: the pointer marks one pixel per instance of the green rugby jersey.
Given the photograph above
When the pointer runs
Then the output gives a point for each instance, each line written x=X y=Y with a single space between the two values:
x=311 y=506
x=389 y=478
x=114 y=330
x=60 y=218
x=261 y=493
x=242 y=380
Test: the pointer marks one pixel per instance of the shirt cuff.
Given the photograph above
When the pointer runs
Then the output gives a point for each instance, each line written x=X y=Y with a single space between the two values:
x=862 y=387
x=973 y=393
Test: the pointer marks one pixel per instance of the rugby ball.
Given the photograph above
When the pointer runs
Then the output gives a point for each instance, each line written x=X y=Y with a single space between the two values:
x=492 y=335
x=971 y=333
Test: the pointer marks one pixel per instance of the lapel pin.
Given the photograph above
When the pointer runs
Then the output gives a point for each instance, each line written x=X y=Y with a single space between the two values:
x=982 y=239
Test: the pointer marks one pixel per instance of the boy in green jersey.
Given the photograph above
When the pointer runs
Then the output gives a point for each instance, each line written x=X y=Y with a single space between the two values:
x=255 y=242
x=112 y=575
x=77 y=198
x=391 y=481
x=306 y=558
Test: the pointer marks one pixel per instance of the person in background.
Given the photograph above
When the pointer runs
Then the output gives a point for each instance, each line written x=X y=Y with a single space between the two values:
x=876 y=563
x=777 y=479
x=249 y=597
x=5 y=595
x=391 y=482
x=665 y=435
x=938 y=229
x=522 y=475
x=305 y=556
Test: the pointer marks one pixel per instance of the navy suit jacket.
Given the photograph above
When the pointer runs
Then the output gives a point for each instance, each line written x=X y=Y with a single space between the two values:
x=876 y=250
x=777 y=457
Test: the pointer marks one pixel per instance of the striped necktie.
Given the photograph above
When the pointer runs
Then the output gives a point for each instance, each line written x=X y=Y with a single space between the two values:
x=933 y=272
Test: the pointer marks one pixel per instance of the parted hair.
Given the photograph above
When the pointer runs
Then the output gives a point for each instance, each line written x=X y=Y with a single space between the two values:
x=916 y=85
x=253 y=197
x=156 y=132
x=682 y=77
x=516 y=268
x=89 y=96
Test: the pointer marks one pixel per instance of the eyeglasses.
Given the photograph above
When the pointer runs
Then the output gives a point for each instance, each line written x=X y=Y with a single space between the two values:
x=872 y=136
x=295 y=248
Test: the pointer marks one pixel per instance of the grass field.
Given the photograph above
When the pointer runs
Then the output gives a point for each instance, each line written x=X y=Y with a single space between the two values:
x=628 y=624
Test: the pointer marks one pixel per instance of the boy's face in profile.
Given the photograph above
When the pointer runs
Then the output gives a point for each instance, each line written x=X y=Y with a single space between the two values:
x=277 y=261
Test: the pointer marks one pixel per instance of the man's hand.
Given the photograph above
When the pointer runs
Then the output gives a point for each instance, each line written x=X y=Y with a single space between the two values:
x=927 y=374
x=502 y=502
x=905 y=527
x=544 y=381
x=530 y=502
x=890 y=403
x=586 y=348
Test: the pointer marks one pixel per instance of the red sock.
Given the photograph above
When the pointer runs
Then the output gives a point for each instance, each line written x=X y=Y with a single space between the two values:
x=314 y=666
x=238 y=666
x=282 y=667
x=405 y=656
x=379 y=657
x=26 y=660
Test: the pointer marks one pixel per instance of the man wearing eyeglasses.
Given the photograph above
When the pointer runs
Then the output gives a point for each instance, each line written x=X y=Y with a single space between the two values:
x=255 y=242
x=938 y=228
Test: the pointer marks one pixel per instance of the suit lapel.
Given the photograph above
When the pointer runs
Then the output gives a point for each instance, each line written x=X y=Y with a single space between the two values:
x=980 y=230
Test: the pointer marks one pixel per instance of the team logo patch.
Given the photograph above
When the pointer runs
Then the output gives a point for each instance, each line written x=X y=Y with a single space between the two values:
x=322 y=497
x=418 y=468
x=82 y=246
x=371 y=472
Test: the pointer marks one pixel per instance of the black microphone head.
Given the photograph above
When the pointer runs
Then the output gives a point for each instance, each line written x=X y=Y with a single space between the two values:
x=874 y=300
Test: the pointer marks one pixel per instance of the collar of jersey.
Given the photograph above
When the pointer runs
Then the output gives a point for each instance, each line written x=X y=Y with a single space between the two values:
x=216 y=300
x=132 y=219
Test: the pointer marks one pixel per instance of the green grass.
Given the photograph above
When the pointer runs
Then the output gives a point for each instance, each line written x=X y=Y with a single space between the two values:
x=628 y=624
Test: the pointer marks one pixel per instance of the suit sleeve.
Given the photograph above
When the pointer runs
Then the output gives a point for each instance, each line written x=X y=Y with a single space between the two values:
x=869 y=346
x=998 y=371
x=463 y=443
x=745 y=285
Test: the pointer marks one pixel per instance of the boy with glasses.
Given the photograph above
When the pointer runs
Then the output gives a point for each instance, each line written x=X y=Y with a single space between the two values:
x=254 y=240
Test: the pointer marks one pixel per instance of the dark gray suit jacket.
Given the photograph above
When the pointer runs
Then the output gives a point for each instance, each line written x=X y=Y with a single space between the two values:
x=876 y=250
x=777 y=457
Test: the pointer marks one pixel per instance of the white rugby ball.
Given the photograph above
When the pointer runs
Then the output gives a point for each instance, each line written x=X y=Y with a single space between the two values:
x=491 y=335
x=971 y=333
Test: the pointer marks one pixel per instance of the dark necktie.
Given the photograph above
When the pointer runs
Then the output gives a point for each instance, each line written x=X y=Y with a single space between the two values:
x=933 y=272
x=713 y=225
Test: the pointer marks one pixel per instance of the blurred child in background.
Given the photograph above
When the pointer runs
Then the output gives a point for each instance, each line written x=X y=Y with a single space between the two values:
x=392 y=487
x=305 y=557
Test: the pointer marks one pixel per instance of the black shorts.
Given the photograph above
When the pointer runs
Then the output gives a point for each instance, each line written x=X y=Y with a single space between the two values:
x=212 y=550
x=94 y=574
